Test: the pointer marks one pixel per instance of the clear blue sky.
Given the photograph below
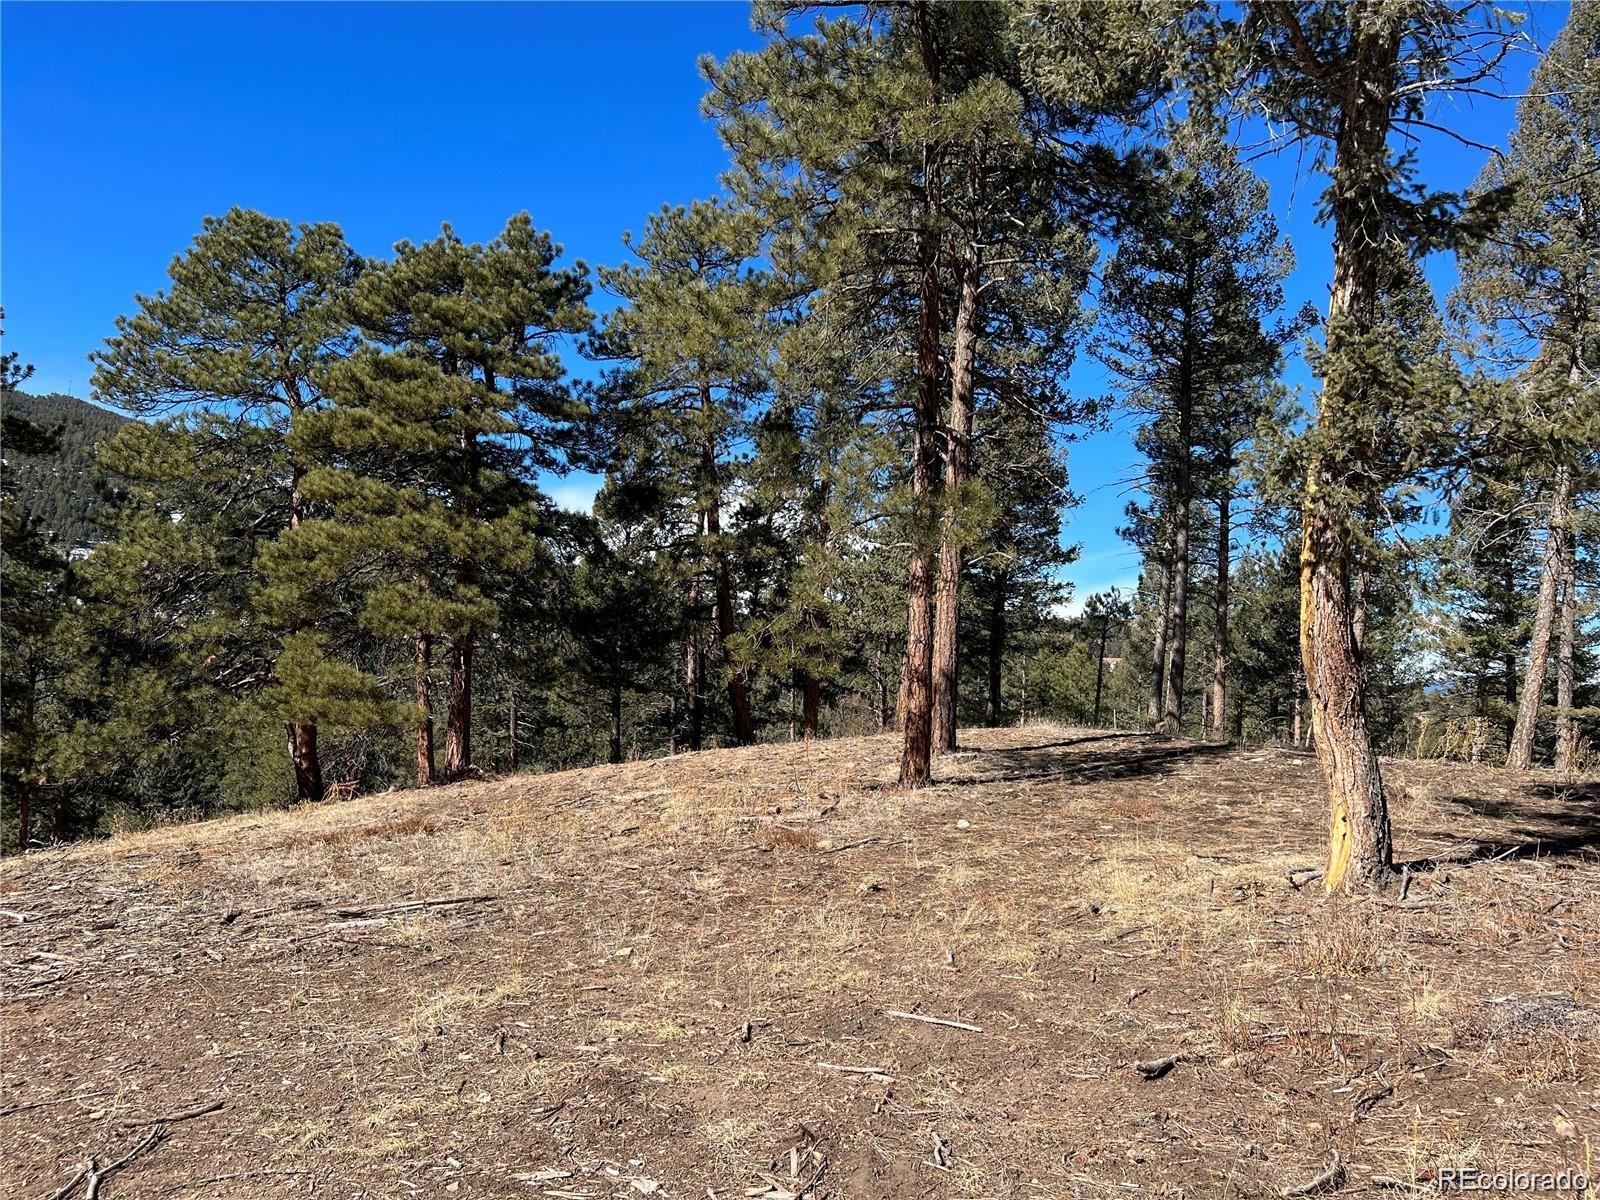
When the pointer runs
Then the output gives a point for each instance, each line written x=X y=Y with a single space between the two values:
x=126 y=124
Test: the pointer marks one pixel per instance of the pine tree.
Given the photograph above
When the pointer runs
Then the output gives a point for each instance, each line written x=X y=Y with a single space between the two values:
x=694 y=330
x=1187 y=297
x=1343 y=76
x=431 y=442
x=1533 y=290
x=255 y=316
x=33 y=592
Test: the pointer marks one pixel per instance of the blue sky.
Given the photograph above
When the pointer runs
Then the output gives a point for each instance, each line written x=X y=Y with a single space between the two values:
x=126 y=124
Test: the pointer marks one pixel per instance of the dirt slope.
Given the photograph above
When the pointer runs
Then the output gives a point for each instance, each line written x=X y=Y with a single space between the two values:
x=646 y=980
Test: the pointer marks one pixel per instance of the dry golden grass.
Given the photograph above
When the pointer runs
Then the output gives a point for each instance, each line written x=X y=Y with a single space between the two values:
x=643 y=970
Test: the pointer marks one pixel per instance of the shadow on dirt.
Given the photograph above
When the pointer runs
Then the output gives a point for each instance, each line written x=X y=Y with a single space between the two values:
x=1553 y=821
x=1052 y=761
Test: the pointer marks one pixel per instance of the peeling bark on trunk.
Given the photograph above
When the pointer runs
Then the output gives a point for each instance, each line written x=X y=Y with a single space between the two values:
x=458 y=716
x=424 y=695
x=1359 y=842
x=916 y=687
x=958 y=450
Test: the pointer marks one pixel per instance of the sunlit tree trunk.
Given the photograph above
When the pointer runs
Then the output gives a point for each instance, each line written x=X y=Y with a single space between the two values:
x=1566 y=724
x=1158 y=650
x=1519 y=756
x=458 y=714
x=958 y=449
x=917 y=677
x=1219 y=627
x=424 y=697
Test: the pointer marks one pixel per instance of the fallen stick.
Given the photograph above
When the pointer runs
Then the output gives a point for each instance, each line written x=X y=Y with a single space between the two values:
x=876 y=1072
x=173 y=1118
x=1328 y=1178
x=12 y=1109
x=98 y=1176
x=1300 y=876
x=413 y=905
x=910 y=1016
x=1155 y=1068
x=866 y=841
x=190 y=1183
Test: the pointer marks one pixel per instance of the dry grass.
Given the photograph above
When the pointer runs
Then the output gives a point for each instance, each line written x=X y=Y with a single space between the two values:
x=669 y=953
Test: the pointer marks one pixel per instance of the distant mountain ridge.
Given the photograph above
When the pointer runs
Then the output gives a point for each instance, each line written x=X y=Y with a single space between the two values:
x=57 y=490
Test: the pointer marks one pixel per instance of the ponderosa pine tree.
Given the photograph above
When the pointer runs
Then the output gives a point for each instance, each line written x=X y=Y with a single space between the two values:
x=1187 y=297
x=255 y=315
x=1533 y=291
x=33 y=581
x=694 y=329
x=1022 y=494
x=468 y=387
x=835 y=139
x=1343 y=76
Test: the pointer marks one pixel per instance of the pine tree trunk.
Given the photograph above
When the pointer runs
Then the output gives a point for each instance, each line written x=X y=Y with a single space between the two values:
x=811 y=713
x=424 y=692
x=1100 y=666
x=1178 y=639
x=614 y=749
x=1158 y=651
x=1566 y=723
x=694 y=671
x=880 y=681
x=993 y=714
x=958 y=451
x=1359 y=844
x=24 y=816
x=1219 y=625
x=458 y=717
x=711 y=515
x=302 y=739
x=916 y=686
x=1519 y=757
x=511 y=731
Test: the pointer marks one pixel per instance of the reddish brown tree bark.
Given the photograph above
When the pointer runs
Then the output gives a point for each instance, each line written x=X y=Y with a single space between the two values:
x=1519 y=755
x=424 y=696
x=958 y=452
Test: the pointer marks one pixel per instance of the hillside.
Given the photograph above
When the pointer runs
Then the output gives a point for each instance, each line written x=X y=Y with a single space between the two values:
x=58 y=490
x=684 y=978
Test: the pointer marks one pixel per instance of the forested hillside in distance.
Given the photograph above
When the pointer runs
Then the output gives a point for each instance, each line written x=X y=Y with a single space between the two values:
x=56 y=490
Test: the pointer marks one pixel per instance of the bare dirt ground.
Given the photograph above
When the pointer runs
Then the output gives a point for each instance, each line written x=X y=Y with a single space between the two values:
x=680 y=978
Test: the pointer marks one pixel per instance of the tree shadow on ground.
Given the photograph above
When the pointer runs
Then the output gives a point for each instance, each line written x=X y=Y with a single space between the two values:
x=1553 y=821
x=1049 y=761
